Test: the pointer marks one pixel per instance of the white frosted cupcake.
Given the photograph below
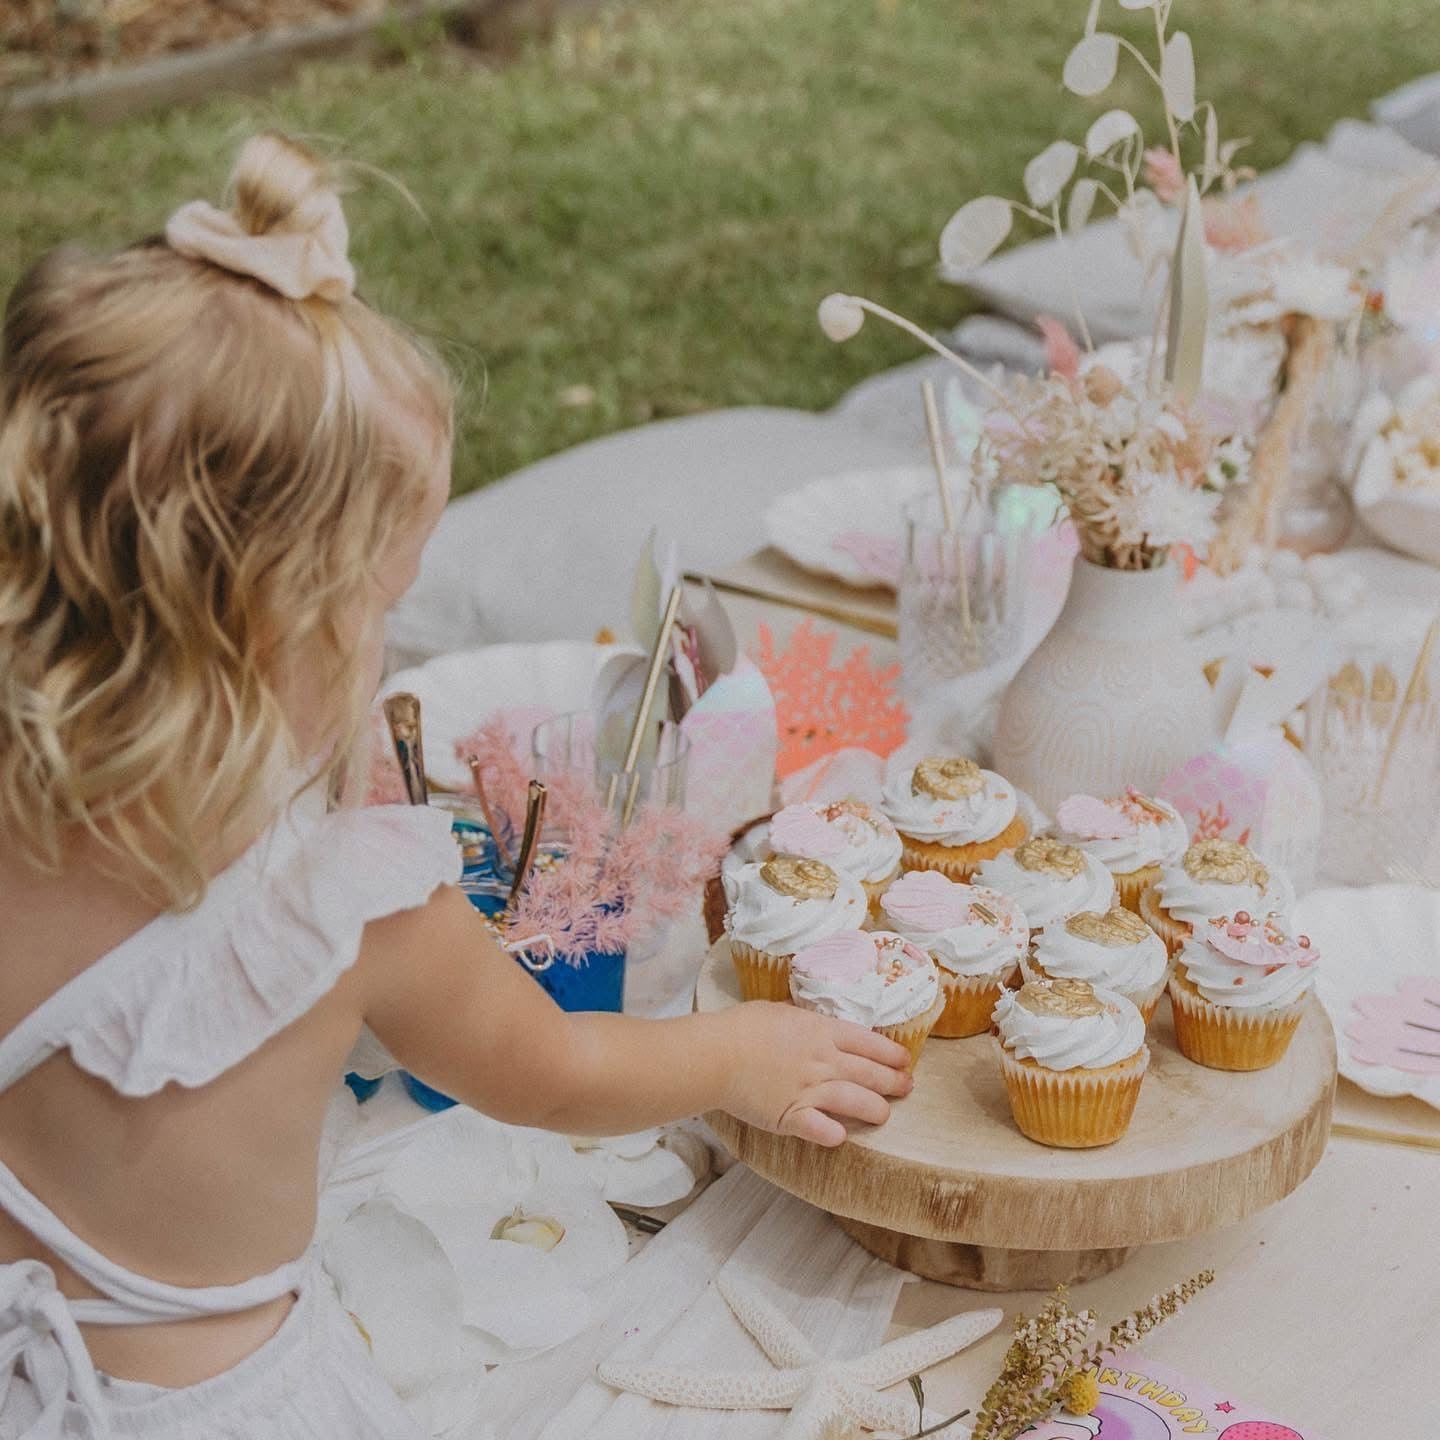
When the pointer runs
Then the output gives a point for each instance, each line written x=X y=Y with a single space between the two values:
x=871 y=978
x=975 y=937
x=1239 y=991
x=778 y=907
x=952 y=815
x=1049 y=881
x=1132 y=835
x=848 y=835
x=1073 y=1058
x=1213 y=878
x=1115 y=951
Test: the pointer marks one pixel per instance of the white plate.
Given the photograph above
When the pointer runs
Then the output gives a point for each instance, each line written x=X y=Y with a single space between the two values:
x=460 y=692
x=1408 y=522
x=1369 y=941
x=851 y=525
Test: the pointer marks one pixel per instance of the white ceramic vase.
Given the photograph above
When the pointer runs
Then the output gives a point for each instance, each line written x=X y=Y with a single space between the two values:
x=1113 y=696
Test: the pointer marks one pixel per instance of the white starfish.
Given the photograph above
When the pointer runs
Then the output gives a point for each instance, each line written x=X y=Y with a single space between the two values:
x=822 y=1395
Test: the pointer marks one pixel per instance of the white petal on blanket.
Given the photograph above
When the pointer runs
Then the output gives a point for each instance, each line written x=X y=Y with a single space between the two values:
x=391 y=1273
x=659 y=1178
x=518 y=1305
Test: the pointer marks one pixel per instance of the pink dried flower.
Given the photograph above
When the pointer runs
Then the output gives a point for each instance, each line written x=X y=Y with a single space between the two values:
x=1062 y=354
x=1164 y=175
x=1234 y=226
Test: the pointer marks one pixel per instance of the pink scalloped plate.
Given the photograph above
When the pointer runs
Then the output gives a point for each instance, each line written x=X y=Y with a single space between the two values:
x=1379 y=978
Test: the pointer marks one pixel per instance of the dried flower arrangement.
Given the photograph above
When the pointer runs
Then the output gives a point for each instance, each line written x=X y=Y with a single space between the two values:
x=609 y=883
x=1131 y=448
x=1051 y=1366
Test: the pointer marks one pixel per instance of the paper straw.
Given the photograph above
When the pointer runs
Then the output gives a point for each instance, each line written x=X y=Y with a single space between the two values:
x=1412 y=689
x=658 y=658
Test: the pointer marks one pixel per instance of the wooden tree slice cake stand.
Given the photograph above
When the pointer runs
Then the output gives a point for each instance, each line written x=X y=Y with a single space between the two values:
x=951 y=1190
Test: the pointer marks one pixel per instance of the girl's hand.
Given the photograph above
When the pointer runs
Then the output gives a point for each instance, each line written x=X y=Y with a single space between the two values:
x=798 y=1073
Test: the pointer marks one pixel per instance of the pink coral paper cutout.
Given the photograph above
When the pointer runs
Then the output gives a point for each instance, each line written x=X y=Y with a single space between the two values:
x=822 y=708
x=1401 y=1030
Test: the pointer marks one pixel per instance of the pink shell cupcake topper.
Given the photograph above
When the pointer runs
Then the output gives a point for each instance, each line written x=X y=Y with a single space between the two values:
x=1260 y=943
x=798 y=830
x=1093 y=819
x=850 y=955
x=1400 y=1030
x=927 y=901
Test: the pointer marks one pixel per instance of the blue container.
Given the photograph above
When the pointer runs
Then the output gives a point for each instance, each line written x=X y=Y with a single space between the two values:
x=360 y=1087
x=596 y=983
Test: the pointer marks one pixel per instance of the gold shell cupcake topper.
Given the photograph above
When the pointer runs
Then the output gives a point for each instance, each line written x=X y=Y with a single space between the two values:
x=1073 y=999
x=800 y=879
x=1042 y=852
x=1116 y=928
x=1226 y=862
x=951 y=779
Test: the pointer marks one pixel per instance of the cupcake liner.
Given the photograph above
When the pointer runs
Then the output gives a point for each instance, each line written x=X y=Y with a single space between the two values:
x=1221 y=1037
x=874 y=889
x=762 y=976
x=912 y=1034
x=959 y=862
x=1146 y=1001
x=1073 y=1109
x=969 y=1002
x=1133 y=884
x=1173 y=932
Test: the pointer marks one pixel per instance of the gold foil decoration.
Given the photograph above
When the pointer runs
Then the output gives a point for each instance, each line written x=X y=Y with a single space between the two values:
x=1226 y=862
x=1116 y=928
x=1044 y=853
x=947 y=779
x=800 y=879
x=1072 y=999
x=984 y=912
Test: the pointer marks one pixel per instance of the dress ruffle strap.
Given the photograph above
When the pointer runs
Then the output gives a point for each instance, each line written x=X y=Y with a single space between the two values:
x=193 y=994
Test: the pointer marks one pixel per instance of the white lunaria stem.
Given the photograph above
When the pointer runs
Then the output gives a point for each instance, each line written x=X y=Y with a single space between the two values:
x=841 y=317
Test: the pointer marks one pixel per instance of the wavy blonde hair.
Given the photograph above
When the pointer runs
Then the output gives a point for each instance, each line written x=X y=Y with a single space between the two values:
x=197 y=476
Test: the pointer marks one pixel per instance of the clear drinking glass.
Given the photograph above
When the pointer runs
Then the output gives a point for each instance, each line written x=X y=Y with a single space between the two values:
x=568 y=744
x=1378 y=763
x=962 y=595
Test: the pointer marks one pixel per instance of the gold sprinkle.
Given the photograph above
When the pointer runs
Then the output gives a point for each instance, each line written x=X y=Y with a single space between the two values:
x=1115 y=929
x=1044 y=853
x=943 y=779
x=1073 y=999
x=984 y=912
x=1226 y=862
x=800 y=879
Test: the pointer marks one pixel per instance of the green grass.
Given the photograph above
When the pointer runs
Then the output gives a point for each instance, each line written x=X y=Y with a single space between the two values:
x=651 y=203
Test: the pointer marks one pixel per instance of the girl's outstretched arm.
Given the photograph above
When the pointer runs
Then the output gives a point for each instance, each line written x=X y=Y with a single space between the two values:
x=459 y=1012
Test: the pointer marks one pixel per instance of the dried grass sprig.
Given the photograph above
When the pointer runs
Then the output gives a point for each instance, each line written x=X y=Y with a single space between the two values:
x=1049 y=1348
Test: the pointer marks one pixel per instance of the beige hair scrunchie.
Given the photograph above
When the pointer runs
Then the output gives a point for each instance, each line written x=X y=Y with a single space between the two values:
x=306 y=259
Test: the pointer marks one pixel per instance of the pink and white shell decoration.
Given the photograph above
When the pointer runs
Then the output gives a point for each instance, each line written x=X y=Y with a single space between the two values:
x=798 y=830
x=926 y=902
x=1260 y=943
x=1094 y=819
x=1261 y=792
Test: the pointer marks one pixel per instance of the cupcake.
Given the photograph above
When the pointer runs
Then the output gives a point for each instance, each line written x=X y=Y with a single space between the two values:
x=1073 y=1058
x=1239 y=991
x=1215 y=877
x=951 y=815
x=778 y=907
x=848 y=835
x=975 y=937
x=1132 y=835
x=1049 y=880
x=872 y=978
x=1115 y=951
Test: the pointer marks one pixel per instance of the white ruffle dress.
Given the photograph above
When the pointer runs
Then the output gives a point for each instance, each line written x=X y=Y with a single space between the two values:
x=181 y=1001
